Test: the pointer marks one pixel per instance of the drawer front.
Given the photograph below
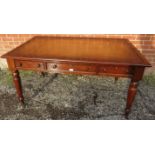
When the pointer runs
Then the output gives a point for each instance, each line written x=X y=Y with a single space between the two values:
x=62 y=67
x=120 y=70
x=33 y=65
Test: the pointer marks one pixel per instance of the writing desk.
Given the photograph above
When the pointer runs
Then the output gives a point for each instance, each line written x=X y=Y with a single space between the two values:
x=75 y=55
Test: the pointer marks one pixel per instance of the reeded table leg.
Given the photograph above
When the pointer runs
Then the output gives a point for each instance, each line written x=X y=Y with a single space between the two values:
x=17 y=82
x=131 y=95
x=137 y=76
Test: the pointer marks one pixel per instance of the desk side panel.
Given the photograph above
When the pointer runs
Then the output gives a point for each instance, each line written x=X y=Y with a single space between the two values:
x=11 y=64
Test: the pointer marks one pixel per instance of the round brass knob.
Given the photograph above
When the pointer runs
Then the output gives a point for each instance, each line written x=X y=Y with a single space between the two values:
x=54 y=66
x=19 y=64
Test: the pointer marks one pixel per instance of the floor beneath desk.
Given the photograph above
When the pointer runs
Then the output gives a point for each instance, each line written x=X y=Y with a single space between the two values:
x=73 y=97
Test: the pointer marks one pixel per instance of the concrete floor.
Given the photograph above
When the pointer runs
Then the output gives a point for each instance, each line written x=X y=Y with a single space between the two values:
x=75 y=97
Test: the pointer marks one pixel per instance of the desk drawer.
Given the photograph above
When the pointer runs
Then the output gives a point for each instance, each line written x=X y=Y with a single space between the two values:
x=108 y=69
x=63 y=67
x=33 y=65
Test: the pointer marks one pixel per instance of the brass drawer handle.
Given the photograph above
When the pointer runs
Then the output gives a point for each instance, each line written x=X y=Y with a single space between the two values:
x=39 y=65
x=20 y=64
x=55 y=66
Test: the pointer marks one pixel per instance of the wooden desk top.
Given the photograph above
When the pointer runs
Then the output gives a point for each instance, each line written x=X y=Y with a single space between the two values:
x=93 y=50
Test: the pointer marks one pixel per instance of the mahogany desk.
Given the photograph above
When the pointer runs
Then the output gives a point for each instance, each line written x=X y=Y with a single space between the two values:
x=94 y=56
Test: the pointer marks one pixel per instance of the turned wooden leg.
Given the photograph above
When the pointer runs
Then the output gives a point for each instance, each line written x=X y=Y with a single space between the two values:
x=131 y=95
x=17 y=83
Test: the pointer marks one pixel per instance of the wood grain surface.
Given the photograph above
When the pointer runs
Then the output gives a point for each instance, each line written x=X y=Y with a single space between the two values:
x=100 y=50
